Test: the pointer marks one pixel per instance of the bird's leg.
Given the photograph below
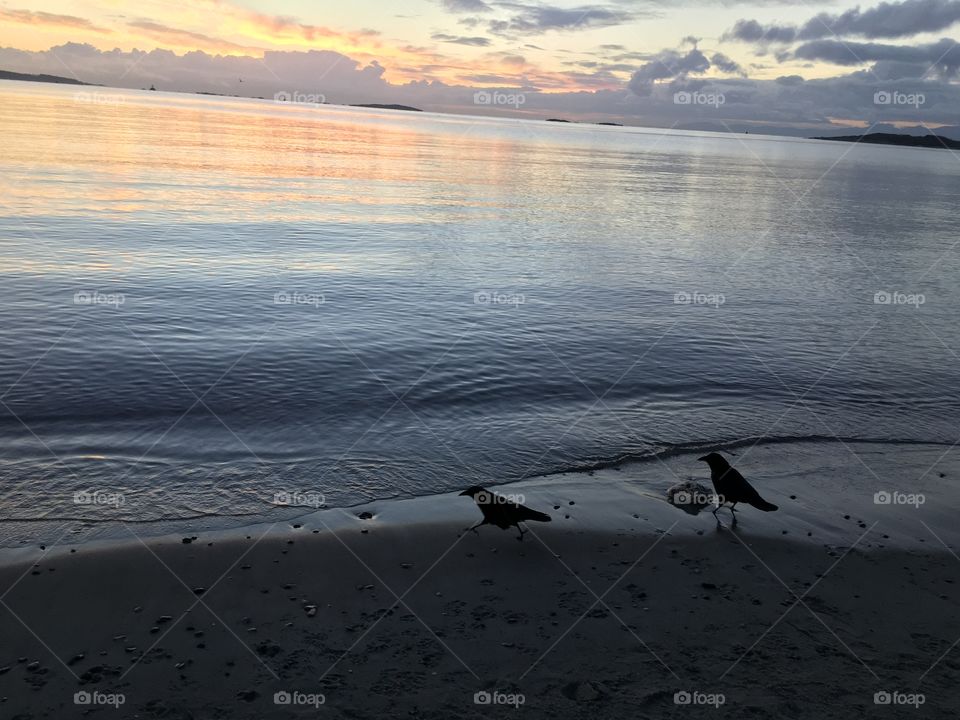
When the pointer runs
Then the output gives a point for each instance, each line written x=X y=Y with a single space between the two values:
x=733 y=512
x=521 y=532
x=715 y=514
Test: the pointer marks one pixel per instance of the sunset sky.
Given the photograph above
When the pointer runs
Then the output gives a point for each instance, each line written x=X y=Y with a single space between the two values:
x=774 y=63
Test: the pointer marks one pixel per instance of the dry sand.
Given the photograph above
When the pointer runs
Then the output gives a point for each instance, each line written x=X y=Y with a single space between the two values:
x=609 y=611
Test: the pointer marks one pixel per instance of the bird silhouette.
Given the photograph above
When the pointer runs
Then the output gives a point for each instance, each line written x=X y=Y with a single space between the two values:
x=732 y=487
x=501 y=511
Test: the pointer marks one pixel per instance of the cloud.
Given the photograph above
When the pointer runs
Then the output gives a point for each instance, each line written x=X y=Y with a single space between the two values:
x=668 y=64
x=886 y=20
x=31 y=17
x=538 y=19
x=789 y=80
x=941 y=58
x=726 y=65
x=753 y=32
x=461 y=40
x=273 y=26
x=183 y=38
x=465 y=6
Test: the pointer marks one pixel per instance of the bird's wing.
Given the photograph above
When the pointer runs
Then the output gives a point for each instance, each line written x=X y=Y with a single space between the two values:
x=739 y=488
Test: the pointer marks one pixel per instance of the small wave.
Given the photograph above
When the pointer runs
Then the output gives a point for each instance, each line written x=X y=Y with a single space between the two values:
x=125 y=520
x=665 y=450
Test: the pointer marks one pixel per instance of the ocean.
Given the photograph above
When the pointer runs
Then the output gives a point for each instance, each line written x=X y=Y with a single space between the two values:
x=234 y=309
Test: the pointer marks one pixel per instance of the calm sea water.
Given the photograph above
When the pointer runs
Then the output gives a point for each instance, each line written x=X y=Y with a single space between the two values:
x=209 y=301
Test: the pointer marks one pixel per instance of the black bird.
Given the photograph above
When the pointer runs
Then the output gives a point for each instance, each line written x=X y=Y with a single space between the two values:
x=732 y=487
x=500 y=511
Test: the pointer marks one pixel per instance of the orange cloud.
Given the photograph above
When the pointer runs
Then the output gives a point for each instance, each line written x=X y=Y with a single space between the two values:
x=188 y=39
x=30 y=17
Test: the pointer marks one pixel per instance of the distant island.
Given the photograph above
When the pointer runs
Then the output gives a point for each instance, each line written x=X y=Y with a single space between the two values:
x=380 y=106
x=8 y=75
x=578 y=122
x=925 y=141
x=216 y=94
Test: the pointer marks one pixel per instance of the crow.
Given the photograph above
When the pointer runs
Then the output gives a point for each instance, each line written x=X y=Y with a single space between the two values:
x=732 y=487
x=500 y=511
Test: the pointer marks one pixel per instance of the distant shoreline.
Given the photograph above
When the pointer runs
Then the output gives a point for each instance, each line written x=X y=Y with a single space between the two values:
x=937 y=142
x=55 y=79
x=901 y=139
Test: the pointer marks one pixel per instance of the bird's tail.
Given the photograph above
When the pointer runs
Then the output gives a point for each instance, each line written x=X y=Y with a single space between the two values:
x=538 y=516
x=761 y=504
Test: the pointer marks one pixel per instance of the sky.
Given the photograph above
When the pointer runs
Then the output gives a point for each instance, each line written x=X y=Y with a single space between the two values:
x=773 y=66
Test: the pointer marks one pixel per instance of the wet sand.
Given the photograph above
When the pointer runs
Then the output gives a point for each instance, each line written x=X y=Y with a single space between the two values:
x=611 y=610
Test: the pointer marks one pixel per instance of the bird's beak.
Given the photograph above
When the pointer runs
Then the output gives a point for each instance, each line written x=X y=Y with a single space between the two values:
x=465 y=492
x=704 y=458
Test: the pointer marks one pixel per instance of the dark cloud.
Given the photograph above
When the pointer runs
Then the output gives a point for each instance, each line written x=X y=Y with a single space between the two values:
x=538 y=19
x=726 y=65
x=753 y=32
x=461 y=40
x=941 y=58
x=668 y=64
x=886 y=20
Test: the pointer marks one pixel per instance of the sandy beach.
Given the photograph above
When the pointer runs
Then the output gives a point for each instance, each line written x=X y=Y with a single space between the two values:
x=621 y=606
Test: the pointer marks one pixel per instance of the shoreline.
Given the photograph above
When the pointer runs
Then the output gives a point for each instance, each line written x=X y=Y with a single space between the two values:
x=832 y=483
